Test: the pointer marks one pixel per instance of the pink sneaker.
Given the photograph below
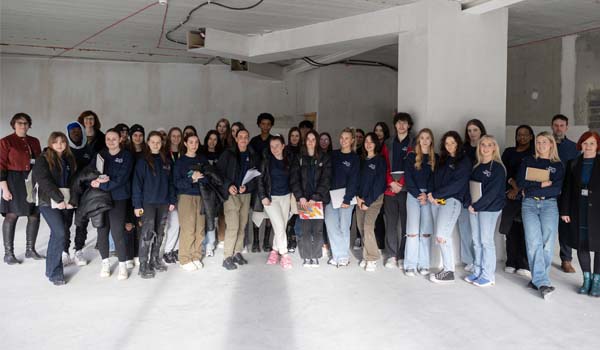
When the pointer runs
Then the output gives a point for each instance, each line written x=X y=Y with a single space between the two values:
x=286 y=262
x=273 y=258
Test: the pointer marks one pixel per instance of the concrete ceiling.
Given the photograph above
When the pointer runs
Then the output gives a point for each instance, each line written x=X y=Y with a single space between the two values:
x=49 y=27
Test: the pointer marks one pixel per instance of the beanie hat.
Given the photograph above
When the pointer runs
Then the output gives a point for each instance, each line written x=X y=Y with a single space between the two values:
x=136 y=128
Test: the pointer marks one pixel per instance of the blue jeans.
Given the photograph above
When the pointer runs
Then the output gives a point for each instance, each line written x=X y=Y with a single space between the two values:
x=540 y=219
x=445 y=217
x=483 y=227
x=419 y=222
x=209 y=239
x=57 y=220
x=466 y=237
x=338 y=223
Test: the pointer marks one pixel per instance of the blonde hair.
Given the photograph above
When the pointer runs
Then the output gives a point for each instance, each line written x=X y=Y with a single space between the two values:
x=419 y=152
x=553 y=149
x=352 y=132
x=495 y=155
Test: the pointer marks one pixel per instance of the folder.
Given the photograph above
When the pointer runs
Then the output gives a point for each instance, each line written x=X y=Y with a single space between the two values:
x=337 y=198
x=312 y=213
x=475 y=190
x=537 y=175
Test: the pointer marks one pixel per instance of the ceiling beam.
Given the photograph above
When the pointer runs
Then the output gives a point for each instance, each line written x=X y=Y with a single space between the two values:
x=479 y=7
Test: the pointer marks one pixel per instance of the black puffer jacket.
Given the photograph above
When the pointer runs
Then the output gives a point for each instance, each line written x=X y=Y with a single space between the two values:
x=90 y=202
x=212 y=194
x=299 y=178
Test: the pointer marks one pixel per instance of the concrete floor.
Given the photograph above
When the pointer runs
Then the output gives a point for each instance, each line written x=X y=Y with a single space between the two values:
x=264 y=307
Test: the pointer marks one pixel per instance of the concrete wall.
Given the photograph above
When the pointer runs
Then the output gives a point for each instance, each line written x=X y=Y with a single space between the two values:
x=562 y=71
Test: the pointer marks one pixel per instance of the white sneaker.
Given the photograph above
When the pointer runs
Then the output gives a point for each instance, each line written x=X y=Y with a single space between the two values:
x=424 y=272
x=123 y=273
x=245 y=250
x=66 y=259
x=391 y=263
x=198 y=264
x=79 y=258
x=524 y=273
x=136 y=261
x=362 y=264
x=129 y=264
x=401 y=264
x=189 y=266
x=325 y=251
x=509 y=269
x=410 y=272
x=469 y=267
x=221 y=244
x=105 y=271
x=210 y=253
x=371 y=266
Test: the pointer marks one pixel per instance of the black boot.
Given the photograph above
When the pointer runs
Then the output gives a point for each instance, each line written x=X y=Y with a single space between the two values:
x=157 y=261
x=8 y=235
x=267 y=238
x=145 y=270
x=31 y=232
x=256 y=240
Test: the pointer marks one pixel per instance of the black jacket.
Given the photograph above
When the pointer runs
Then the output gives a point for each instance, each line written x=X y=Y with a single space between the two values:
x=299 y=178
x=90 y=202
x=569 y=202
x=263 y=188
x=47 y=181
x=228 y=167
x=212 y=194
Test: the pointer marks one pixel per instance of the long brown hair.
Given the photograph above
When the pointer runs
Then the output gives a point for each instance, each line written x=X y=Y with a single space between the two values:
x=419 y=152
x=52 y=157
x=168 y=143
x=148 y=154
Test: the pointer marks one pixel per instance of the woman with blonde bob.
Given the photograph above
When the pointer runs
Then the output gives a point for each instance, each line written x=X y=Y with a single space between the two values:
x=488 y=178
x=420 y=165
x=540 y=178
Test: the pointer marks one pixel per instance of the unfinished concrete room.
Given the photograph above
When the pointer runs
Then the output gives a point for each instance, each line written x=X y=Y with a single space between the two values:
x=300 y=174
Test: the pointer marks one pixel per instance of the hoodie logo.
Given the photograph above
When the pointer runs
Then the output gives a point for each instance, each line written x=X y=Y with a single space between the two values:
x=346 y=163
x=487 y=173
x=405 y=148
x=552 y=169
x=451 y=166
x=86 y=156
x=372 y=166
x=119 y=160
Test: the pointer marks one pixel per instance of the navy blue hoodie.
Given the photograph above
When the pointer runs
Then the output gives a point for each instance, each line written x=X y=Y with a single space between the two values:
x=152 y=187
x=345 y=167
x=418 y=179
x=492 y=177
x=451 y=180
x=534 y=189
x=373 y=173
x=118 y=168
x=182 y=174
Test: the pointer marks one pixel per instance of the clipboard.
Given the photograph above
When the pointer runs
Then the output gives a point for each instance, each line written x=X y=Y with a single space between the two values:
x=100 y=164
x=66 y=195
x=475 y=190
x=537 y=175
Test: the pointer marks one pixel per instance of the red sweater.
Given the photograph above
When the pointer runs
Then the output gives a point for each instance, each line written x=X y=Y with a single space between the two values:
x=16 y=153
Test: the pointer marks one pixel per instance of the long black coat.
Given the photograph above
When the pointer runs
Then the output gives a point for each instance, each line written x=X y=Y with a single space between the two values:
x=299 y=178
x=569 y=202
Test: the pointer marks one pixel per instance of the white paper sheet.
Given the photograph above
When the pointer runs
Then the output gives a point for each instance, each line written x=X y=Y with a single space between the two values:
x=250 y=175
x=337 y=198
x=100 y=164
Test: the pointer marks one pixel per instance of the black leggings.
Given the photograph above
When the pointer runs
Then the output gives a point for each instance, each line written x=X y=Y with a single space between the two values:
x=114 y=222
x=10 y=223
x=584 y=256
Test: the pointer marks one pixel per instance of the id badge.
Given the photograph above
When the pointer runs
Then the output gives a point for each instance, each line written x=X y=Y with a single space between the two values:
x=584 y=192
x=32 y=161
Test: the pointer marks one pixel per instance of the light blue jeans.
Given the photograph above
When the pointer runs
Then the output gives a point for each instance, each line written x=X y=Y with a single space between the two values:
x=466 y=237
x=419 y=222
x=540 y=218
x=444 y=218
x=483 y=226
x=209 y=239
x=338 y=223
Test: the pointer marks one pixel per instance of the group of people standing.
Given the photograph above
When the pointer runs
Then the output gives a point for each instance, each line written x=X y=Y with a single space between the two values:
x=169 y=192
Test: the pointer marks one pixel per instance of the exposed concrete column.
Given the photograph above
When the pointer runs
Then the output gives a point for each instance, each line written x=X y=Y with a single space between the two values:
x=452 y=68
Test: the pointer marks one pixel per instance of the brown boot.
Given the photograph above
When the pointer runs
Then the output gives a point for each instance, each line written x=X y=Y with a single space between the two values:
x=567 y=267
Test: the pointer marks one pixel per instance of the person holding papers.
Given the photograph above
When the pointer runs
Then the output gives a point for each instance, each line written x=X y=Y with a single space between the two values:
x=418 y=176
x=274 y=194
x=309 y=179
x=579 y=194
x=345 y=165
x=233 y=165
x=53 y=173
x=187 y=178
x=373 y=172
x=115 y=164
x=540 y=178
x=153 y=196
x=487 y=200
x=450 y=188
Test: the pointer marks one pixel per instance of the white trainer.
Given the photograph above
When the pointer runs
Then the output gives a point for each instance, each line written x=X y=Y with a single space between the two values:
x=391 y=263
x=79 y=258
x=198 y=264
x=123 y=273
x=129 y=264
x=362 y=264
x=105 y=271
x=66 y=259
x=509 y=269
x=136 y=261
x=189 y=266
x=524 y=273
x=371 y=266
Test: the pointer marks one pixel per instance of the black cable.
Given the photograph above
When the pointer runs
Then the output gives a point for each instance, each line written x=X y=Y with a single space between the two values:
x=350 y=62
x=189 y=16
